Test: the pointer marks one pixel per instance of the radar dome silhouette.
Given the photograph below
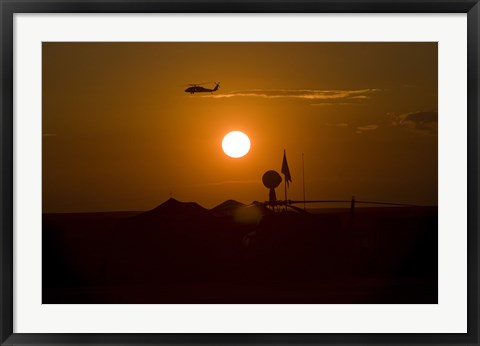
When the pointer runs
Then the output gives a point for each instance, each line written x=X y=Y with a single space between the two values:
x=271 y=179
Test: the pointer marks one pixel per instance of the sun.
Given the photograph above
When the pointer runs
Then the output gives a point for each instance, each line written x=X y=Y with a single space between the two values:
x=236 y=144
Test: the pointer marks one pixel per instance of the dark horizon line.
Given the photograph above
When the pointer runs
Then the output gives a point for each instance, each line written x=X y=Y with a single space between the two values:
x=347 y=202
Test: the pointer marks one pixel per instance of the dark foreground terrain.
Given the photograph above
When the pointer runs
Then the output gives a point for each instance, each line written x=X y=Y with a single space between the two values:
x=183 y=253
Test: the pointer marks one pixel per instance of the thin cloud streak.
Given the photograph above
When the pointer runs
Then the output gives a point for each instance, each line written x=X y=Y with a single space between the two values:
x=365 y=128
x=306 y=94
x=425 y=123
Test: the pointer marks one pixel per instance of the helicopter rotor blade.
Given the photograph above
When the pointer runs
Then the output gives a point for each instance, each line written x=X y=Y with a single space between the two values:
x=203 y=83
x=196 y=84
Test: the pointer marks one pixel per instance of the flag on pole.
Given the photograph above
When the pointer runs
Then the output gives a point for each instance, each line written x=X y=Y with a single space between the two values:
x=285 y=170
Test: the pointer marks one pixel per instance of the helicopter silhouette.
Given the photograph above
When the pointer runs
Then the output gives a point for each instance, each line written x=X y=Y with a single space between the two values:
x=196 y=88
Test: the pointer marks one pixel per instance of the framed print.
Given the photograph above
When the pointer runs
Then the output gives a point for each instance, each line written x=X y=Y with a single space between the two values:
x=239 y=173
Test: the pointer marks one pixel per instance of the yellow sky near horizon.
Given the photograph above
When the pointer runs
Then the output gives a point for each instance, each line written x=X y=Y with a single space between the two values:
x=120 y=133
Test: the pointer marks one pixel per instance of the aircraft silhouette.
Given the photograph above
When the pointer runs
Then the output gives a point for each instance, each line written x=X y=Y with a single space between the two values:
x=196 y=88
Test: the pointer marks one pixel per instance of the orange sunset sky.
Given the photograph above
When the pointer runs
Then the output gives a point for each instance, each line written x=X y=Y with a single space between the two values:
x=120 y=133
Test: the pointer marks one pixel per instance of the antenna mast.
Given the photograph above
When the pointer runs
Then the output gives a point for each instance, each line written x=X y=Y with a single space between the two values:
x=303 y=177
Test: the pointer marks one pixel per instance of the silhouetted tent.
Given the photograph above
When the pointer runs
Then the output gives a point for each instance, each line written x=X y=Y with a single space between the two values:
x=226 y=208
x=172 y=208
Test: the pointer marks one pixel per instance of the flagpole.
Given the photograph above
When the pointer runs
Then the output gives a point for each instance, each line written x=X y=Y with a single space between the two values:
x=286 y=174
x=285 y=155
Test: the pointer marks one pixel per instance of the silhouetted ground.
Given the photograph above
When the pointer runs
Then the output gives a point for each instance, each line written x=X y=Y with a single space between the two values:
x=183 y=253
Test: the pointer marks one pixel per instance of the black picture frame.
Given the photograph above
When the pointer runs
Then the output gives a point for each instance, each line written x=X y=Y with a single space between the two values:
x=10 y=7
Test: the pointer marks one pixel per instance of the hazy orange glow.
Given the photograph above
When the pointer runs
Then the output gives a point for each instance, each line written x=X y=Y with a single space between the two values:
x=120 y=133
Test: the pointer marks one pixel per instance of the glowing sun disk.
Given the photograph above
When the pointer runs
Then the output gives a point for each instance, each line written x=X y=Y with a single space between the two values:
x=236 y=144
